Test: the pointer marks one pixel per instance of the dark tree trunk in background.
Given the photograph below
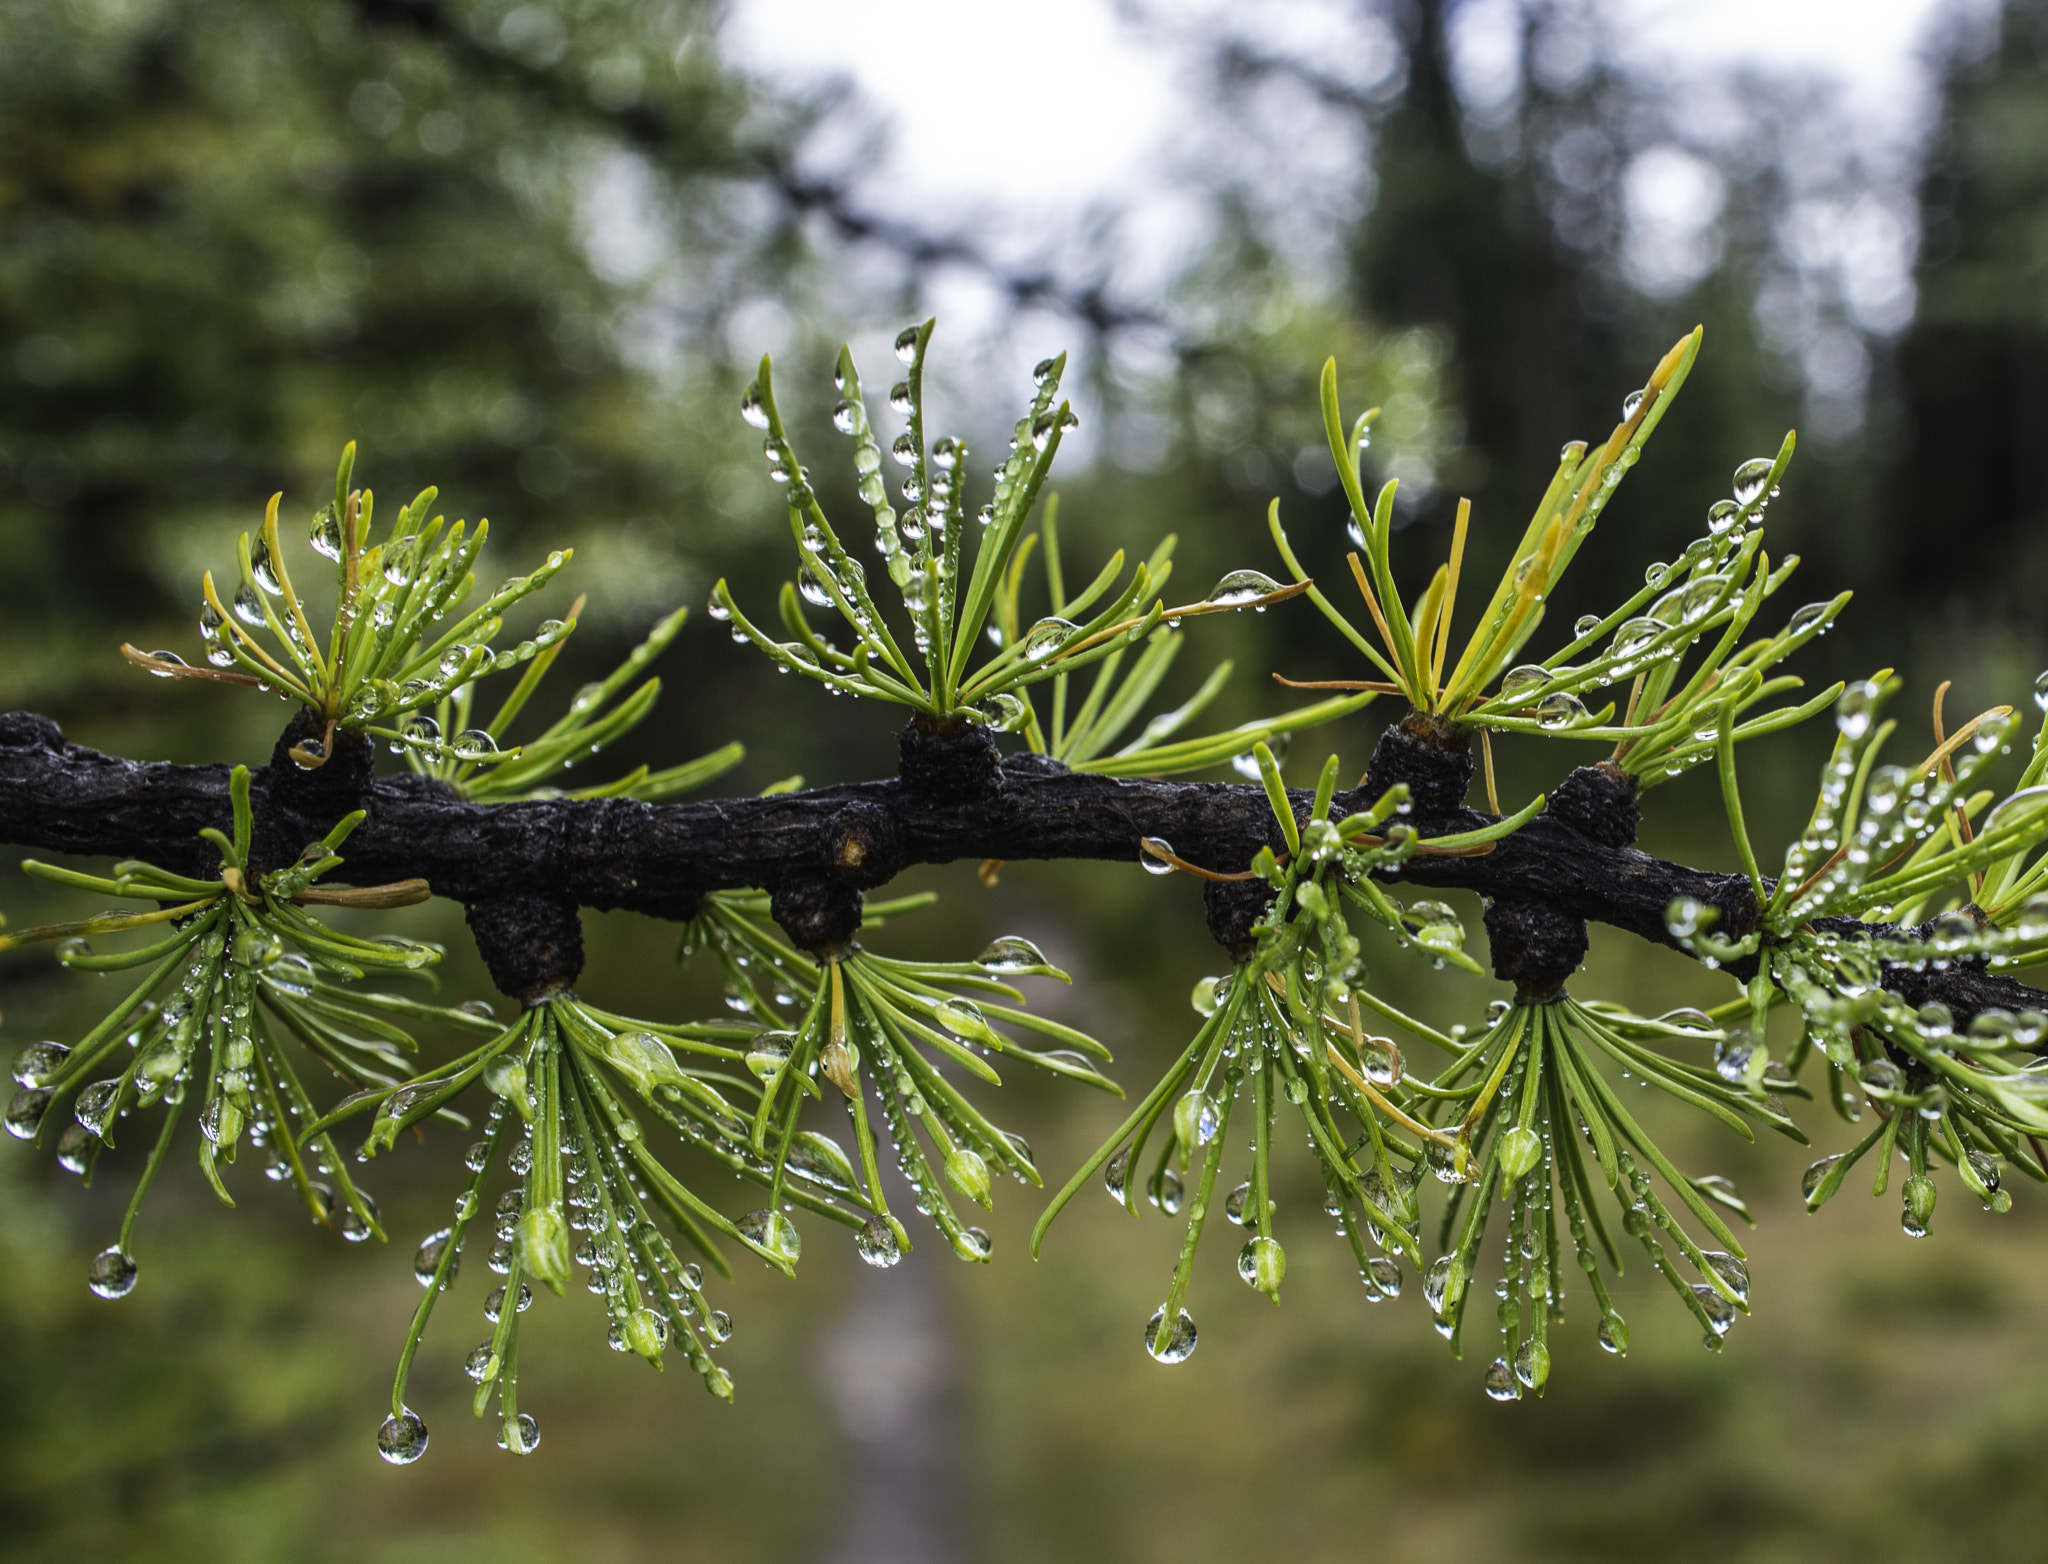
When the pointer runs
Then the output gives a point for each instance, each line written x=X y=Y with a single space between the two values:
x=1973 y=463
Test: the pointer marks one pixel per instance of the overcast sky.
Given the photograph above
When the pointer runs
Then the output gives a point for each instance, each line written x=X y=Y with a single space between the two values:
x=967 y=84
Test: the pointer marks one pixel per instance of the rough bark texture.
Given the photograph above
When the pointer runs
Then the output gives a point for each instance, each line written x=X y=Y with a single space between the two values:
x=522 y=869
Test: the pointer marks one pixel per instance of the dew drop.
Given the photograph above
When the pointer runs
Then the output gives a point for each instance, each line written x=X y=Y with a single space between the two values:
x=1240 y=587
x=521 y=1437
x=111 y=1274
x=1175 y=1346
x=876 y=1243
x=1501 y=1384
x=403 y=1438
x=1750 y=479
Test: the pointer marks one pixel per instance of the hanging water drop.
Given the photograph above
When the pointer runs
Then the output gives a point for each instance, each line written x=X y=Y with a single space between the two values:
x=38 y=1062
x=1174 y=1346
x=1114 y=1173
x=403 y=1438
x=1730 y=1270
x=521 y=1437
x=25 y=1111
x=111 y=1274
x=427 y=1259
x=876 y=1243
x=324 y=533
x=1500 y=1382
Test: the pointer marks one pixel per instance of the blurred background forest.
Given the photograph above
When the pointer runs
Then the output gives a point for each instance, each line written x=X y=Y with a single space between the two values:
x=528 y=250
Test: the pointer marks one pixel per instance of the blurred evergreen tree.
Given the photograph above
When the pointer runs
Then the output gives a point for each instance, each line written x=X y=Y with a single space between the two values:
x=493 y=243
x=1973 y=460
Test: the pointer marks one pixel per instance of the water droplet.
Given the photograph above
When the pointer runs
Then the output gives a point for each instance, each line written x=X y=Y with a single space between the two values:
x=1559 y=710
x=355 y=1225
x=1151 y=862
x=1233 y=1208
x=111 y=1274
x=1384 y=1275
x=263 y=570
x=974 y=1244
x=1719 y=1311
x=876 y=1243
x=248 y=607
x=752 y=409
x=521 y=1437
x=494 y=1303
x=768 y=1052
x=1586 y=625
x=1044 y=370
x=772 y=1231
x=324 y=533
x=1614 y=1335
x=1730 y=1270
x=1011 y=953
x=427 y=1259
x=38 y=1062
x=482 y=1364
x=25 y=1111
x=1114 y=1174
x=906 y=344
x=1810 y=1182
x=75 y=1148
x=1631 y=405
x=403 y=1438
x=1501 y=1383
x=1806 y=618
x=1170 y=1347
x=1990 y=732
x=1261 y=1264
x=1635 y=637
x=1436 y=1284
x=1240 y=587
x=1047 y=637
x=1750 y=479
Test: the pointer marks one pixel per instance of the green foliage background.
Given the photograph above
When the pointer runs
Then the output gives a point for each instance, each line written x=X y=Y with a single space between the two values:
x=234 y=233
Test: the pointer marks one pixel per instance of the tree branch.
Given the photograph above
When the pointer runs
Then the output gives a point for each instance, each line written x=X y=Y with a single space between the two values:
x=659 y=859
